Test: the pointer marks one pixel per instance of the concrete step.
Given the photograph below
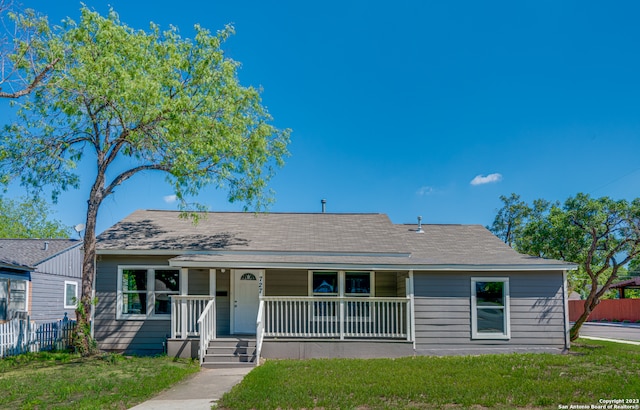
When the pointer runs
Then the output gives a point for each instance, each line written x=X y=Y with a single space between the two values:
x=232 y=344
x=229 y=365
x=226 y=358
x=230 y=352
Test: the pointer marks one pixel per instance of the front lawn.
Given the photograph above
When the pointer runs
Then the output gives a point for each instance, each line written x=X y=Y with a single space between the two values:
x=593 y=371
x=66 y=381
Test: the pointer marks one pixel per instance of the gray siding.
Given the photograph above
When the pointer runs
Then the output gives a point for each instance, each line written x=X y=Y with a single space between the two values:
x=47 y=286
x=135 y=336
x=279 y=282
x=67 y=264
x=386 y=284
x=198 y=282
x=47 y=297
x=443 y=312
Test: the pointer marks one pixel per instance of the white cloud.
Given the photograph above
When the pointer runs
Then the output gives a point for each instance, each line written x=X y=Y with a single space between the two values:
x=170 y=199
x=491 y=178
x=424 y=190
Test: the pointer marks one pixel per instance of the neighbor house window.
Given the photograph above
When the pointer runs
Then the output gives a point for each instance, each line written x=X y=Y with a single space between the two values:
x=490 y=308
x=70 y=295
x=13 y=297
x=145 y=292
x=4 y=299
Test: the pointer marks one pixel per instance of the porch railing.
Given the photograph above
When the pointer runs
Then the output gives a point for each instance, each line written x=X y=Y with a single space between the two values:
x=185 y=312
x=207 y=326
x=337 y=317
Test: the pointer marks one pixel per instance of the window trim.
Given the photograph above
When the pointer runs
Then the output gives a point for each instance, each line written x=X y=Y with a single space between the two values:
x=150 y=292
x=68 y=304
x=506 y=335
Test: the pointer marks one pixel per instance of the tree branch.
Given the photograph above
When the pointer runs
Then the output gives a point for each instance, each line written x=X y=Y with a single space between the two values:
x=131 y=172
x=39 y=78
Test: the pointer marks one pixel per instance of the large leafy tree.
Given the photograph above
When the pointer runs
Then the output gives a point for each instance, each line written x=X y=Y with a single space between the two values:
x=131 y=101
x=601 y=235
x=29 y=218
x=25 y=60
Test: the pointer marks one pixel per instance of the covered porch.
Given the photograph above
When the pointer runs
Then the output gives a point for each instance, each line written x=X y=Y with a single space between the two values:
x=291 y=306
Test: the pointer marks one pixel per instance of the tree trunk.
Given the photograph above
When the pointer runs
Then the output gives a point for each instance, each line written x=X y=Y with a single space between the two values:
x=589 y=304
x=84 y=343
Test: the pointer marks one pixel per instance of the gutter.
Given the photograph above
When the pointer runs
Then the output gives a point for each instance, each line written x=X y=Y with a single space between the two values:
x=363 y=266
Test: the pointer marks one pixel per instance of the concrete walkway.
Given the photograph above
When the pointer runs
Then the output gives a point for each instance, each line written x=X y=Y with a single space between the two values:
x=199 y=392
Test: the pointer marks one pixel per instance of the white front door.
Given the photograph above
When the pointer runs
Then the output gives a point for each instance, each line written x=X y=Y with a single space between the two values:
x=246 y=300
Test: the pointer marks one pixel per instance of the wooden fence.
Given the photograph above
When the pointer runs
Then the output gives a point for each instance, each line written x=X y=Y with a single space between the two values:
x=608 y=309
x=20 y=336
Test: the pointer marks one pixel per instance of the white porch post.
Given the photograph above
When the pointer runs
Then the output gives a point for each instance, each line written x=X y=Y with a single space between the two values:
x=212 y=293
x=184 y=291
x=567 y=324
x=341 y=282
x=212 y=282
x=411 y=332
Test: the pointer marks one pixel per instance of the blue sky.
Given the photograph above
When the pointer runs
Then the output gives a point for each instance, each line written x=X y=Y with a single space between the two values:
x=419 y=107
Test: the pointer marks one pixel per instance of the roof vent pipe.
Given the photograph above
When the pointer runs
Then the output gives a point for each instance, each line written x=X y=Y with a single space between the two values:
x=324 y=205
x=46 y=245
x=419 y=230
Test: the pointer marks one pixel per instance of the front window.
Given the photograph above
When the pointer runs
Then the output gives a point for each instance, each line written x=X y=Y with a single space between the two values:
x=340 y=283
x=357 y=283
x=490 y=308
x=325 y=283
x=134 y=291
x=145 y=292
x=166 y=283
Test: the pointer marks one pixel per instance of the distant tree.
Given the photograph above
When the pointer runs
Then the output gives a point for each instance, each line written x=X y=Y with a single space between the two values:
x=25 y=60
x=634 y=267
x=131 y=101
x=29 y=218
x=510 y=219
x=599 y=234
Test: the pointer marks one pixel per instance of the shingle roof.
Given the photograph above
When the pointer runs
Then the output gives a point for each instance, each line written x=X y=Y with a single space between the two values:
x=283 y=232
x=321 y=238
x=462 y=245
x=32 y=252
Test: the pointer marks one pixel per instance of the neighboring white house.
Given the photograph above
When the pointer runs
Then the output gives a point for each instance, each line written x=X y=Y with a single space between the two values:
x=39 y=278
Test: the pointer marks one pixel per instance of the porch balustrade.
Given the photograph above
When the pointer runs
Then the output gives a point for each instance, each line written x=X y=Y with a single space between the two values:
x=185 y=312
x=301 y=317
x=207 y=327
x=337 y=317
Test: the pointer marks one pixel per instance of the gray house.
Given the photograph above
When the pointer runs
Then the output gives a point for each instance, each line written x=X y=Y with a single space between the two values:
x=321 y=285
x=39 y=278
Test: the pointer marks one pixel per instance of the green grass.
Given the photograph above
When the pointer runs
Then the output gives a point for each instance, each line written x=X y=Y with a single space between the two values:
x=593 y=371
x=66 y=381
